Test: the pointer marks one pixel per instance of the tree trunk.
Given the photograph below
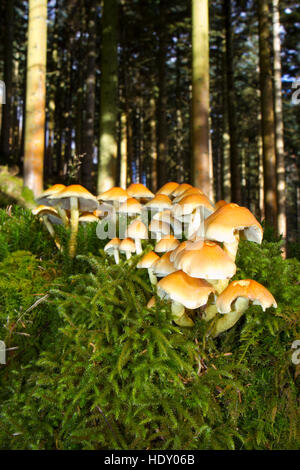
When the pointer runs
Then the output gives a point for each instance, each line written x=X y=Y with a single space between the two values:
x=267 y=114
x=87 y=164
x=8 y=73
x=279 y=133
x=162 y=138
x=109 y=92
x=200 y=96
x=35 y=96
x=235 y=175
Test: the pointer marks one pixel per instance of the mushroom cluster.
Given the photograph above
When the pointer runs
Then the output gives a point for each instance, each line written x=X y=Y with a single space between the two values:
x=194 y=244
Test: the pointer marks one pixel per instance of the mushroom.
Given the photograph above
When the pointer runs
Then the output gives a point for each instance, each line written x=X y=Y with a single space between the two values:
x=159 y=228
x=88 y=217
x=188 y=192
x=197 y=207
x=184 y=292
x=159 y=203
x=206 y=260
x=234 y=301
x=137 y=230
x=163 y=266
x=147 y=262
x=168 y=188
x=180 y=189
x=166 y=243
x=46 y=198
x=127 y=246
x=226 y=223
x=112 y=248
x=74 y=198
x=139 y=191
x=114 y=195
x=49 y=214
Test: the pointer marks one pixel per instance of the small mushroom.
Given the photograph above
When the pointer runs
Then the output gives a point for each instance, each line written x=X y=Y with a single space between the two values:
x=137 y=230
x=127 y=246
x=147 y=262
x=112 y=248
x=226 y=224
x=234 y=301
x=184 y=292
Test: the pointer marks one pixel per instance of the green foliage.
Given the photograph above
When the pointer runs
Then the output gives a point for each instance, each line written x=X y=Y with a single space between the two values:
x=96 y=369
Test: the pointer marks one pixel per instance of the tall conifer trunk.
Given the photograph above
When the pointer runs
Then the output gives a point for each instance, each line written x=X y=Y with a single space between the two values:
x=267 y=114
x=109 y=92
x=35 y=96
x=279 y=133
x=235 y=174
x=200 y=96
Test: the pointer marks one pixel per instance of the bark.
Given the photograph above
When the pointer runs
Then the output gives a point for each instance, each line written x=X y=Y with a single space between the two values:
x=35 y=96
x=279 y=132
x=109 y=93
x=87 y=165
x=267 y=114
x=200 y=96
x=235 y=176
x=162 y=138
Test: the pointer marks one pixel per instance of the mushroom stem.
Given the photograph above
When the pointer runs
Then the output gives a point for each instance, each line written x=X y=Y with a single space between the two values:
x=128 y=255
x=179 y=315
x=51 y=230
x=232 y=248
x=74 y=226
x=116 y=255
x=63 y=215
x=152 y=277
x=231 y=318
x=210 y=312
x=138 y=246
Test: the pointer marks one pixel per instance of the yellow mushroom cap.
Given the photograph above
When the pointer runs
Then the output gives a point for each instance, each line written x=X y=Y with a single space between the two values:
x=113 y=244
x=157 y=226
x=167 y=243
x=43 y=197
x=114 y=194
x=168 y=188
x=131 y=207
x=159 y=202
x=189 y=203
x=205 y=260
x=188 y=192
x=86 y=200
x=163 y=266
x=248 y=288
x=222 y=224
x=180 y=189
x=138 y=190
x=148 y=260
x=188 y=291
x=127 y=245
x=151 y=302
x=137 y=230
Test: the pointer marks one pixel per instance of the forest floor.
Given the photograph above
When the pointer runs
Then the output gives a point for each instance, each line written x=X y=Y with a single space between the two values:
x=88 y=366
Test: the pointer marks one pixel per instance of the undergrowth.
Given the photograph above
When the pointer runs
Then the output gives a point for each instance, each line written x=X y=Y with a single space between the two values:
x=90 y=367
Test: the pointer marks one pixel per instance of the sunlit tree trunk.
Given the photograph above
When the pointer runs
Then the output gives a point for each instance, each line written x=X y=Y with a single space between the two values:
x=235 y=174
x=267 y=114
x=153 y=150
x=109 y=92
x=35 y=96
x=200 y=96
x=279 y=137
